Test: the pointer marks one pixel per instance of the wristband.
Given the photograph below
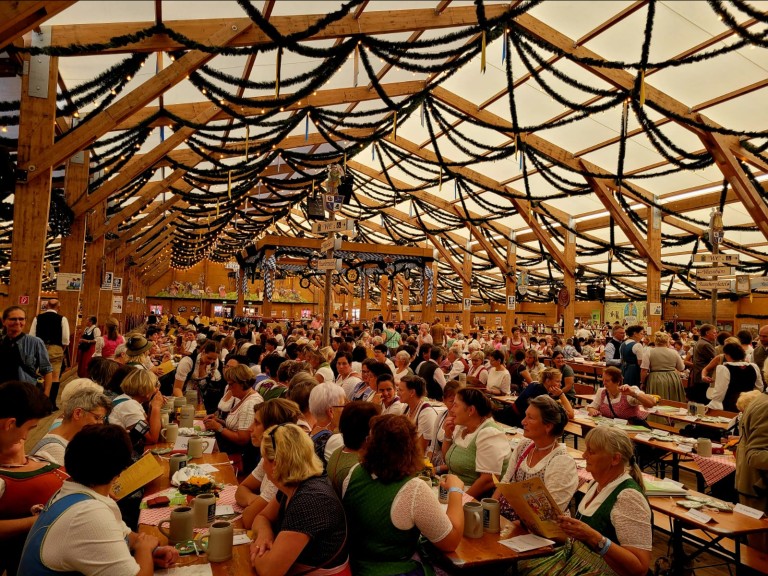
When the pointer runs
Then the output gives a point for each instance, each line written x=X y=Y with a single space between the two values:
x=455 y=489
x=606 y=546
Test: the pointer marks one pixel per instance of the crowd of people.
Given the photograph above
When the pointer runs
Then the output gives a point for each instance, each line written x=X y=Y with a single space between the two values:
x=328 y=442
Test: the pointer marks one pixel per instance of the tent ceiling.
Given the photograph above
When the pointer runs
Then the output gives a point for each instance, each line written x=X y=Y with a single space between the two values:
x=564 y=109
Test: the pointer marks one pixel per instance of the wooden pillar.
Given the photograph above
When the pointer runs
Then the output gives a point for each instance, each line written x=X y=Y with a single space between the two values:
x=363 y=296
x=120 y=272
x=384 y=286
x=405 y=301
x=73 y=246
x=266 y=305
x=569 y=279
x=94 y=267
x=428 y=311
x=466 y=290
x=653 y=273
x=239 y=275
x=510 y=283
x=32 y=201
x=105 y=299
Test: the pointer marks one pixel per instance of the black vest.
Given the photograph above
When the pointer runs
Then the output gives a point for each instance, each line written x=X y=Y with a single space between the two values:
x=743 y=379
x=49 y=328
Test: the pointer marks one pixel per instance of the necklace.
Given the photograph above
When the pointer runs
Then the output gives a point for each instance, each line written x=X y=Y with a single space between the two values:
x=26 y=461
x=537 y=449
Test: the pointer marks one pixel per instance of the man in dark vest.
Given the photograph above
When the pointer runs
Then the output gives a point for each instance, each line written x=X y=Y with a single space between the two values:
x=432 y=374
x=760 y=353
x=613 y=347
x=631 y=355
x=53 y=329
x=703 y=353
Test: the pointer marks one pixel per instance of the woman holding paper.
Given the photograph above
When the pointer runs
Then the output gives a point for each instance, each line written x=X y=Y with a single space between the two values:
x=542 y=454
x=611 y=533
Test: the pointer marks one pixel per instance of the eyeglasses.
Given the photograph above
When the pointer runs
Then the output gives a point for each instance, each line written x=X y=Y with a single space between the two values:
x=98 y=417
x=272 y=436
x=16 y=319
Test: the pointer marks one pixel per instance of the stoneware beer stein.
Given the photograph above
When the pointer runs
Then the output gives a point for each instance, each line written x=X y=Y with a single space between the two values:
x=176 y=463
x=180 y=525
x=218 y=541
x=473 y=520
x=187 y=416
x=704 y=447
x=197 y=446
x=204 y=506
x=170 y=433
x=491 y=515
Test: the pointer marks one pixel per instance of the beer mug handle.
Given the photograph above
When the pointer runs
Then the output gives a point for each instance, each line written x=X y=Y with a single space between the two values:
x=162 y=433
x=206 y=443
x=204 y=542
x=164 y=532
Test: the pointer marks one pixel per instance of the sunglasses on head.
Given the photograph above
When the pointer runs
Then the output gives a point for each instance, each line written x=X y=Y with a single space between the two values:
x=272 y=436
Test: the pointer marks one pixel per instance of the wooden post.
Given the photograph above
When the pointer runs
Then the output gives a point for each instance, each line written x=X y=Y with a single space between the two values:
x=105 y=300
x=94 y=267
x=239 y=281
x=569 y=279
x=466 y=292
x=653 y=278
x=384 y=286
x=266 y=305
x=510 y=284
x=73 y=246
x=363 y=296
x=32 y=198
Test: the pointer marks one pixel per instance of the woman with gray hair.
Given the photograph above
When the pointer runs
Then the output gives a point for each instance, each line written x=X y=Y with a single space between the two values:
x=85 y=406
x=326 y=402
x=612 y=532
x=402 y=368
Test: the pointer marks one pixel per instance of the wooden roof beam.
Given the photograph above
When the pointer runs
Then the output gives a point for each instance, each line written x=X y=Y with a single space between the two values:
x=18 y=18
x=499 y=262
x=155 y=250
x=620 y=78
x=600 y=188
x=319 y=99
x=379 y=22
x=523 y=207
x=151 y=218
x=146 y=195
x=140 y=164
x=85 y=134
x=720 y=147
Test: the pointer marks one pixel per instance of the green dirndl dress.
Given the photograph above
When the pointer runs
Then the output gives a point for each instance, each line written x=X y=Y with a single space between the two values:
x=574 y=558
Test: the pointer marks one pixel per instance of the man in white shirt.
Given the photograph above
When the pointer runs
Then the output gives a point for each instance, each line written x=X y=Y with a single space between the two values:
x=53 y=329
x=380 y=354
x=457 y=366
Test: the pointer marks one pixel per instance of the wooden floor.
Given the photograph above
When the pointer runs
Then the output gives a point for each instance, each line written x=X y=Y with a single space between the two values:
x=660 y=539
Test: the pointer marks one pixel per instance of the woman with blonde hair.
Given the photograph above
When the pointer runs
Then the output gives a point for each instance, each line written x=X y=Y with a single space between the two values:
x=256 y=490
x=659 y=370
x=611 y=533
x=304 y=528
x=139 y=387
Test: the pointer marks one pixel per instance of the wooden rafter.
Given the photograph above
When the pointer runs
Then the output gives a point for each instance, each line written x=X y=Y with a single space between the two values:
x=200 y=30
x=18 y=18
x=85 y=134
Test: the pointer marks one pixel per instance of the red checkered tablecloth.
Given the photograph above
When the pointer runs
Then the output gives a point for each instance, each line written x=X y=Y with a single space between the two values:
x=584 y=476
x=715 y=468
x=153 y=516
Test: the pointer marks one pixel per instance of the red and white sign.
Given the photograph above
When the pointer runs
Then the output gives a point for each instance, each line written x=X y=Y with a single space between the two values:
x=23 y=300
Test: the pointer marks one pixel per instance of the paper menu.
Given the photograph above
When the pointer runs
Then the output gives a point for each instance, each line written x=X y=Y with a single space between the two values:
x=140 y=473
x=535 y=507
x=526 y=542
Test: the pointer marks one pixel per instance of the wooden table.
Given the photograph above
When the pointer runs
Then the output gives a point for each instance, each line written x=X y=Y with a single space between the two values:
x=486 y=552
x=240 y=561
x=686 y=418
x=725 y=525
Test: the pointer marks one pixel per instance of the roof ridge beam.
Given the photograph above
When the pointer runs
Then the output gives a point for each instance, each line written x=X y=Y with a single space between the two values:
x=377 y=22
